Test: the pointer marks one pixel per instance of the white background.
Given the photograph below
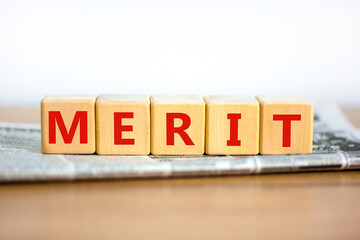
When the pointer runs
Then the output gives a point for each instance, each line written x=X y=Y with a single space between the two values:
x=166 y=47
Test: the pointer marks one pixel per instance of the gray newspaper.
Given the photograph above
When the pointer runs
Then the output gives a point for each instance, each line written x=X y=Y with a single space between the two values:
x=336 y=147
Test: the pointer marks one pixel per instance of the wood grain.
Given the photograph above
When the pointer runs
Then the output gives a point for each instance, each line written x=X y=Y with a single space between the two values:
x=191 y=105
x=217 y=127
x=272 y=137
x=322 y=205
x=283 y=206
x=68 y=106
x=137 y=126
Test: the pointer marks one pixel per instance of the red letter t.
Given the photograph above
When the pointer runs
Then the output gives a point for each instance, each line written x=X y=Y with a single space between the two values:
x=286 y=118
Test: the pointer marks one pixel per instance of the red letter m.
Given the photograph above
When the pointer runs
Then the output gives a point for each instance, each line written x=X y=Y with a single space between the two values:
x=55 y=117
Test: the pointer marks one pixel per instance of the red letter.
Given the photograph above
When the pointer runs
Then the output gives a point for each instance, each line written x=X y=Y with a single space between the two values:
x=234 y=128
x=55 y=117
x=286 y=125
x=171 y=130
x=119 y=128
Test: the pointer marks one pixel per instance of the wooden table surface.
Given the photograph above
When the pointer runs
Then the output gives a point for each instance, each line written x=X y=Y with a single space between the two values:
x=322 y=205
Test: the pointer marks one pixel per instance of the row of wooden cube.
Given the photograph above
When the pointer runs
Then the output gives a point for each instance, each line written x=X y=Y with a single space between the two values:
x=176 y=125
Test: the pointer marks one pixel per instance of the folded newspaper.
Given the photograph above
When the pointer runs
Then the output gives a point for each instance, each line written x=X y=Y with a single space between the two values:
x=336 y=147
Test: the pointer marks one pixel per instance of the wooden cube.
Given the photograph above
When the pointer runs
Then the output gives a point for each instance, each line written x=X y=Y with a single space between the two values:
x=286 y=125
x=177 y=125
x=68 y=124
x=123 y=124
x=232 y=125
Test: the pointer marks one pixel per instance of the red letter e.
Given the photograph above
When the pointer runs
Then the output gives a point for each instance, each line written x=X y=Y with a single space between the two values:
x=119 y=128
